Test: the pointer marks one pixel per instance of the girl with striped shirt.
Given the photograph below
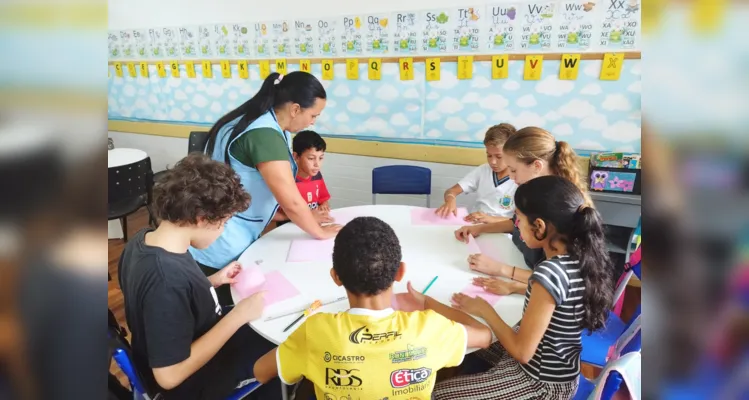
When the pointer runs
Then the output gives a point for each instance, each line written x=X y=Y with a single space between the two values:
x=570 y=290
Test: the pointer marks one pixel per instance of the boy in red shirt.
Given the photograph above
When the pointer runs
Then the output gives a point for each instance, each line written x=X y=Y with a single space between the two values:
x=309 y=152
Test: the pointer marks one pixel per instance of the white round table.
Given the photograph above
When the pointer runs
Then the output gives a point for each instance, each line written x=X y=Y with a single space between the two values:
x=428 y=250
x=119 y=157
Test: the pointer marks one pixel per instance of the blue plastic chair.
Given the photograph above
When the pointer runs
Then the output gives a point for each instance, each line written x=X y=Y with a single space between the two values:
x=122 y=359
x=596 y=346
x=612 y=384
x=401 y=179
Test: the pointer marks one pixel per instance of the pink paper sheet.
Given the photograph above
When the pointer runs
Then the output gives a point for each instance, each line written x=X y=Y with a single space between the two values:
x=400 y=302
x=277 y=288
x=473 y=291
x=473 y=246
x=303 y=250
x=426 y=216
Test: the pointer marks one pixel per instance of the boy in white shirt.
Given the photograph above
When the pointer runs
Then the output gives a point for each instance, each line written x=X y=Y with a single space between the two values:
x=490 y=181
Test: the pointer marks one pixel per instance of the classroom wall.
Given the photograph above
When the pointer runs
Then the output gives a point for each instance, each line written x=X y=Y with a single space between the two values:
x=589 y=113
x=349 y=177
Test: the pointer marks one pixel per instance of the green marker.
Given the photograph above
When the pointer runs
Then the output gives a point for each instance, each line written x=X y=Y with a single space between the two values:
x=430 y=285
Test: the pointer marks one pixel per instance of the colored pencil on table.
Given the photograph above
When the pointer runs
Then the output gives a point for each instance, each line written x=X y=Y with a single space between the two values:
x=430 y=285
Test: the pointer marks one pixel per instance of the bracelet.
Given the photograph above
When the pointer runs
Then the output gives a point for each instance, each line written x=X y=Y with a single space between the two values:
x=513 y=273
x=450 y=194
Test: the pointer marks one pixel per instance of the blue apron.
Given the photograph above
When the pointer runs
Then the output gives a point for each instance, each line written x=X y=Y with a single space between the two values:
x=242 y=229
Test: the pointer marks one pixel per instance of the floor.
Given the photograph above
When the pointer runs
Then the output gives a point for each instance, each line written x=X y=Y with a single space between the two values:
x=139 y=220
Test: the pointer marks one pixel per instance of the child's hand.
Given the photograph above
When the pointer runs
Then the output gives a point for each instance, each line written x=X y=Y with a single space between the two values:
x=250 y=308
x=324 y=207
x=322 y=217
x=494 y=285
x=485 y=265
x=226 y=274
x=462 y=233
x=448 y=208
x=476 y=217
x=414 y=298
x=471 y=305
x=330 y=231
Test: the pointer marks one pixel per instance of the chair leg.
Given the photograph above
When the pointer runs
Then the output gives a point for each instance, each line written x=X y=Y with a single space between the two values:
x=123 y=223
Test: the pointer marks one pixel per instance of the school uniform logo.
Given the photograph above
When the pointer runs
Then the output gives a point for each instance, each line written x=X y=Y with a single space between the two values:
x=409 y=381
x=342 y=378
x=362 y=336
x=506 y=202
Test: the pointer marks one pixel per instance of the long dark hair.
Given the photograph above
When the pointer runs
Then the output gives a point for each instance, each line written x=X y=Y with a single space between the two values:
x=560 y=203
x=296 y=87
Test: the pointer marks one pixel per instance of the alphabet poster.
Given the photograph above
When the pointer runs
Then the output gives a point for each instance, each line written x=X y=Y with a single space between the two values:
x=352 y=36
x=113 y=45
x=537 y=25
x=436 y=32
x=205 y=40
x=221 y=38
x=240 y=40
x=502 y=26
x=305 y=32
x=406 y=32
x=498 y=27
x=620 y=26
x=140 y=43
x=126 y=44
x=327 y=36
x=281 y=39
x=377 y=34
x=466 y=27
x=575 y=22
x=262 y=39
x=170 y=47
x=189 y=37
x=155 y=45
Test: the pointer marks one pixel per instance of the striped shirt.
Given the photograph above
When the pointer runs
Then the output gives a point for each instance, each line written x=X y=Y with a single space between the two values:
x=557 y=358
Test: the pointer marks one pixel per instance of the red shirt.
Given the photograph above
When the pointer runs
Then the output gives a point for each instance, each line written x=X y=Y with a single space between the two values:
x=313 y=190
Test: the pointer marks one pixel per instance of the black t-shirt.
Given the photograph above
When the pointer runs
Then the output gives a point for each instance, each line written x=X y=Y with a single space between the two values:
x=531 y=256
x=169 y=303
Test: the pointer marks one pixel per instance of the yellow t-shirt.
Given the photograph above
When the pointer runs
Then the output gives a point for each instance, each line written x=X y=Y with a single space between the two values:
x=369 y=354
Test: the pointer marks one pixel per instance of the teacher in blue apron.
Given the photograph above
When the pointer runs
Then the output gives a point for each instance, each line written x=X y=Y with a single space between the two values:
x=254 y=139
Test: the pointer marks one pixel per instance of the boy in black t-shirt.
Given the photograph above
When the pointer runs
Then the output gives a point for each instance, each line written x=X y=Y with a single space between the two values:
x=182 y=344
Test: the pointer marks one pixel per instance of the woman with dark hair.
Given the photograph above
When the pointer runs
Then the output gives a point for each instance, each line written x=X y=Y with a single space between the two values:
x=254 y=139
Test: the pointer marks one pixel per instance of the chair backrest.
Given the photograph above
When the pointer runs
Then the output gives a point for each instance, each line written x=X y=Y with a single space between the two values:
x=401 y=179
x=625 y=370
x=131 y=180
x=197 y=141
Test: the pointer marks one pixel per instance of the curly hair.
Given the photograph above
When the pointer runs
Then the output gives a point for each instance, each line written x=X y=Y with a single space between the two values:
x=199 y=188
x=366 y=256
x=560 y=203
x=497 y=135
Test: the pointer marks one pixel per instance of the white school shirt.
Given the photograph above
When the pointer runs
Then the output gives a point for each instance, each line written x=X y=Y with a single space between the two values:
x=495 y=197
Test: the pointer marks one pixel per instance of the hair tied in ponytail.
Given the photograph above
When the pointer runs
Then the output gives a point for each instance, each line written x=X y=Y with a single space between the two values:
x=279 y=79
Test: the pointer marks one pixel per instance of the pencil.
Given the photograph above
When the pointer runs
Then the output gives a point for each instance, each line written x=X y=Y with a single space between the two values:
x=430 y=284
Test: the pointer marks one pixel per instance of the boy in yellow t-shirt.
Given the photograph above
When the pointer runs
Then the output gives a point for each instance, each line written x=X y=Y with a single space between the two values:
x=372 y=351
